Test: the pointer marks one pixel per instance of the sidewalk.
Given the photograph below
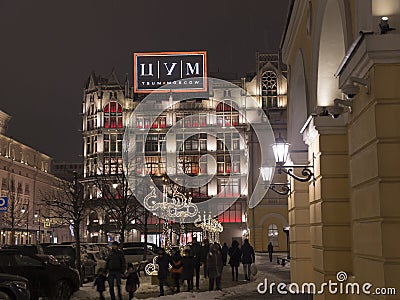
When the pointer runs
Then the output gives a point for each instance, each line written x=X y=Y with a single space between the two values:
x=230 y=289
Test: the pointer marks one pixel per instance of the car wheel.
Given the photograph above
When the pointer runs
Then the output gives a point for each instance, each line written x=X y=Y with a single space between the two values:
x=63 y=290
x=4 y=296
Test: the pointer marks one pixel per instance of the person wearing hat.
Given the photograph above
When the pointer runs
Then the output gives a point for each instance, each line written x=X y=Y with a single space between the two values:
x=132 y=280
x=163 y=261
x=115 y=265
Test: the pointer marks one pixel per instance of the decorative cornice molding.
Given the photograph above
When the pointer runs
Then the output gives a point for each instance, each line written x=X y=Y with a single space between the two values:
x=299 y=9
x=324 y=125
x=374 y=49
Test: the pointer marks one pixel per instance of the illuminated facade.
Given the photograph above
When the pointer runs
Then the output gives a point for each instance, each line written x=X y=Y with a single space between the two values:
x=343 y=108
x=24 y=177
x=107 y=106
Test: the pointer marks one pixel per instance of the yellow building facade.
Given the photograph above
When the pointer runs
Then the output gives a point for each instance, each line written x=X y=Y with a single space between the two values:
x=343 y=63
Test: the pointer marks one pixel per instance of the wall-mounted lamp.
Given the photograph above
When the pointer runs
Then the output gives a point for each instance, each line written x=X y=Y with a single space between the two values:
x=281 y=151
x=384 y=25
x=351 y=89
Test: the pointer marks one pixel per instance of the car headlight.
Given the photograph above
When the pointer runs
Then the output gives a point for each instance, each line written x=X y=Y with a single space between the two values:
x=20 y=284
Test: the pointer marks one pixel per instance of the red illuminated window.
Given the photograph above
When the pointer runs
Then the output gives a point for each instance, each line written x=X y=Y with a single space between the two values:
x=113 y=115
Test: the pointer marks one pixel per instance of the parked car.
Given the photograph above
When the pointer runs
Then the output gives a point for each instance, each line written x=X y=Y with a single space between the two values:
x=150 y=246
x=14 y=287
x=28 y=249
x=45 y=279
x=66 y=255
x=133 y=255
x=99 y=258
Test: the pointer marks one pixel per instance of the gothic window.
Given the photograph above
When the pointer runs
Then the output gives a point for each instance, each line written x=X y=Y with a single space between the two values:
x=273 y=234
x=113 y=115
x=227 y=114
x=269 y=90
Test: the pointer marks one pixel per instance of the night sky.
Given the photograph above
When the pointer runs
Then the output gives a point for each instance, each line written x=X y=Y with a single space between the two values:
x=48 y=49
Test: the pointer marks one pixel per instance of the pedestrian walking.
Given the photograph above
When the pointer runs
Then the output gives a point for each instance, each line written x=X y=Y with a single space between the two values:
x=115 y=265
x=195 y=252
x=188 y=264
x=205 y=249
x=214 y=267
x=163 y=261
x=177 y=269
x=100 y=283
x=225 y=250
x=235 y=255
x=248 y=257
x=270 y=251
x=132 y=281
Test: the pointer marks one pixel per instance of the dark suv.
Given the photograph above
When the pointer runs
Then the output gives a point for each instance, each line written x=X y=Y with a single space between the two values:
x=45 y=279
x=13 y=287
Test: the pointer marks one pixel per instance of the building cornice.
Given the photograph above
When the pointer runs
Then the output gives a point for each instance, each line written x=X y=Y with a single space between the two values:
x=299 y=8
x=373 y=49
x=317 y=125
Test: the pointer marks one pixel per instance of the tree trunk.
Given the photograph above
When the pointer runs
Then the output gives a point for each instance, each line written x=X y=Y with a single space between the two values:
x=78 y=249
x=146 y=215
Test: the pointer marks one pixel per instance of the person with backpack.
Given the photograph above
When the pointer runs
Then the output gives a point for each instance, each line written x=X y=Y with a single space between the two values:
x=248 y=258
x=235 y=255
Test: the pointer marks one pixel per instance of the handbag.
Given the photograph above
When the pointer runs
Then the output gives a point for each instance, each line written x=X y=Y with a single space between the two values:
x=130 y=288
x=253 y=269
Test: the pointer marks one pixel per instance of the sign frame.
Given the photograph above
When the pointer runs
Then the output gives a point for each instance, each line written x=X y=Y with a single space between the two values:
x=3 y=204
x=204 y=76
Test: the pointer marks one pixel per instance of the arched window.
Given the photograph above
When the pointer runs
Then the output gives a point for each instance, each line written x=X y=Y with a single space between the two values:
x=113 y=115
x=273 y=234
x=269 y=90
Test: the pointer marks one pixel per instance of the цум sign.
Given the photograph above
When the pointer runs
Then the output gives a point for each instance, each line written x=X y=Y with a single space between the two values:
x=154 y=70
x=3 y=204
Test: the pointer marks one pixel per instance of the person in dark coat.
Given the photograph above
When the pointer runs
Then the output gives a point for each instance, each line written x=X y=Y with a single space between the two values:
x=214 y=267
x=177 y=269
x=225 y=250
x=115 y=265
x=100 y=283
x=163 y=261
x=248 y=257
x=235 y=255
x=205 y=249
x=270 y=251
x=188 y=264
x=132 y=281
x=195 y=252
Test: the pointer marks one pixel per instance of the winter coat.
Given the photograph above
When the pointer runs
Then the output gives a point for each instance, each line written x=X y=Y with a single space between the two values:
x=270 y=248
x=214 y=263
x=205 y=249
x=188 y=263
x=116 y=261
x=163 y=262
x=235 y=256
x=195 y=252
x=225 y=251
x=132 y=281
x=100 y=283
x=177 y=267
x=248 y=255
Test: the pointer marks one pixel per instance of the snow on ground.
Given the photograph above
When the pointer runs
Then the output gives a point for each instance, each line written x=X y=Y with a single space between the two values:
x=148 y=291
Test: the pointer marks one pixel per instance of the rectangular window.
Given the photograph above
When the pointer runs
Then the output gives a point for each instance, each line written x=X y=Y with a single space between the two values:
x=228 y=188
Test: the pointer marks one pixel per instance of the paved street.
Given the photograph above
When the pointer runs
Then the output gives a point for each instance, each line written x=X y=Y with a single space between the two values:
x=230 y=289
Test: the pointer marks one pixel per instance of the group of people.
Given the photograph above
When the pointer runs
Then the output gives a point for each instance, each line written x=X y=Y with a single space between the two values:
x=185 y=268
x=212 y=257
x=116 y=269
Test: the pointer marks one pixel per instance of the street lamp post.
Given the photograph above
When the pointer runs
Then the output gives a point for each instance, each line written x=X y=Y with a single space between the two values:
x=37 y=215
x=23 y=210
